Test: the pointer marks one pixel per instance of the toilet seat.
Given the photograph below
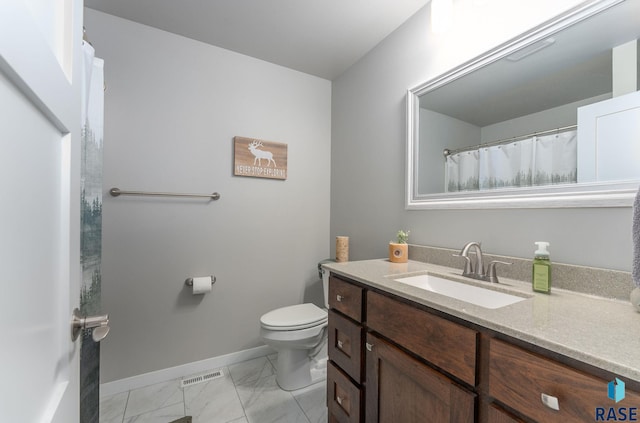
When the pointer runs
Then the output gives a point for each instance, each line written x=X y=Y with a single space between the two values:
x=295 y=317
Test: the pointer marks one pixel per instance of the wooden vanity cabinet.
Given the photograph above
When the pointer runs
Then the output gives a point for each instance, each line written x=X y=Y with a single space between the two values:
x=393 y=361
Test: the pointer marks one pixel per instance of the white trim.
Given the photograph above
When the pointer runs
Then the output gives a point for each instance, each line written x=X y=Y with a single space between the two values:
x=603 y=194
x=164 y=375
x=560 y=22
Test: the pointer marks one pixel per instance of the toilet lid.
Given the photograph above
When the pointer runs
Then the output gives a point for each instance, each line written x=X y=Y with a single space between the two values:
x=293 y=317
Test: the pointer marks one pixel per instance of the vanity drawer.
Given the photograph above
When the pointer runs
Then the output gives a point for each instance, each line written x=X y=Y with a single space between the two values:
x=343 y=397
x=447 y=345
x=346 y=298
x=519 y=378
x=498 y=415
x=345 y=345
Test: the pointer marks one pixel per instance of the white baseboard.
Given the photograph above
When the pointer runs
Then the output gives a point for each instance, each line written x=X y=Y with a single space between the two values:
x=164 y=375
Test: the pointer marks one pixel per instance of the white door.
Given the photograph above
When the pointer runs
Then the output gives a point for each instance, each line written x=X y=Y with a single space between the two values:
x=39 y=208
x=608 y=133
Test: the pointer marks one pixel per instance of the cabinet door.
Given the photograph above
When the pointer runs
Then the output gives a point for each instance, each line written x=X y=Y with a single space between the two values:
x=401 y=388
x=345 y=345
x=344 y=398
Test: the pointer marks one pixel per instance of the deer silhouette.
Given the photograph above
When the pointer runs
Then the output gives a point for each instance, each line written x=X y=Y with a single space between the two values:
x=260 y=154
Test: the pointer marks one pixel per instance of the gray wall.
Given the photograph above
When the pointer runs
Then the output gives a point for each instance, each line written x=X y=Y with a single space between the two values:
x=368 y=153
x=437 y=132
x=556 y=117
x=172 y=107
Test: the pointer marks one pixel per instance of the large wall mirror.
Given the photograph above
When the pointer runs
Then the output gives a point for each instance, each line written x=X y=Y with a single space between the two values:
x=549 y=119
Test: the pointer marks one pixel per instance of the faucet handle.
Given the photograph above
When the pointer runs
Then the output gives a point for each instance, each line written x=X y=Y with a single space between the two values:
x=491 y=271
x=467 y=265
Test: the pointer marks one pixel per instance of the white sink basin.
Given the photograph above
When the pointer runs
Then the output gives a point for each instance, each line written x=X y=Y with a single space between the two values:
x=461 y=291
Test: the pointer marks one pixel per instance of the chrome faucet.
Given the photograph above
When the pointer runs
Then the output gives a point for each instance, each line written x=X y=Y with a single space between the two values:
x=477 y=271
x=473 y=271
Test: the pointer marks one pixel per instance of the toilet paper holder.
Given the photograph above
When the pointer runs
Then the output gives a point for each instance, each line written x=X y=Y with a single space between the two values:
x=189 y=281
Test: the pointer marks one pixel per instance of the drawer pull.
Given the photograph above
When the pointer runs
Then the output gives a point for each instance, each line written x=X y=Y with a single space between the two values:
x=339 y=344
x=339 y=298
x=339 y=400
x=369 y=346
x=550 y=401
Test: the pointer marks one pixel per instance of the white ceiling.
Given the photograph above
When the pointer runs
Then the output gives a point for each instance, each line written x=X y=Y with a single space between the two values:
x=318 y=37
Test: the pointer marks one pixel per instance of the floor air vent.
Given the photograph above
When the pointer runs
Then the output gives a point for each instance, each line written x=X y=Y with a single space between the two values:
x=205 y=377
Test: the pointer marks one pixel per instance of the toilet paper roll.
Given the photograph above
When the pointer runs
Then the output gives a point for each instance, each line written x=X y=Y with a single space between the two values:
x=342 y=248
x=201 y=285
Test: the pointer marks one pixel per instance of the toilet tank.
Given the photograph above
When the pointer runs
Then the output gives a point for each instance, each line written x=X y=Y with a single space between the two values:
x=324 y=274
x=325 y=287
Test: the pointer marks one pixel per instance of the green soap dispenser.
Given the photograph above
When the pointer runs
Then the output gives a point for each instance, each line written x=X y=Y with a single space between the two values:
x=541 y=269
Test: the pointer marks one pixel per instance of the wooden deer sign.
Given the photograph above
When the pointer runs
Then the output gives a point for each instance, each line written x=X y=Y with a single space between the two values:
x=260 y=159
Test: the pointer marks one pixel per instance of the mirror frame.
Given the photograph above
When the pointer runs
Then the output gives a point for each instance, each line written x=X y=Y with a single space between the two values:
x=599 y=194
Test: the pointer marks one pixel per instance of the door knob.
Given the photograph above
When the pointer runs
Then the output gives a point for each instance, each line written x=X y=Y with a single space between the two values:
x=100 y=325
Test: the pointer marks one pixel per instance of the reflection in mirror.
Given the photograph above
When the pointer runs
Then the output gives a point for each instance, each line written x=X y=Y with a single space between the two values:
x=551 y=119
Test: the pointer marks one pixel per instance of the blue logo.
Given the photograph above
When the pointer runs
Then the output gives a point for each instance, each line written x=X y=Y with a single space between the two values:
x=616 y=390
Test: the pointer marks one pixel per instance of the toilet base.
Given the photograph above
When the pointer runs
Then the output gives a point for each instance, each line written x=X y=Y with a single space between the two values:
x=296 y=370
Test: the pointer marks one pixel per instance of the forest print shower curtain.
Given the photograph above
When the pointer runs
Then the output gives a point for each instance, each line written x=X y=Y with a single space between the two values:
x=91 y=228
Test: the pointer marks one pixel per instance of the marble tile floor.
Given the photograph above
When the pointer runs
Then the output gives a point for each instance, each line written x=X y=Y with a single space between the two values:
x=247 y=393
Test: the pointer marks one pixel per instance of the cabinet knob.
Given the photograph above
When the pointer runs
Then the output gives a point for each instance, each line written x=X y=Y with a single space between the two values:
x=340 y=344
x=368 y=346
x=550 y=402
x=339 y=298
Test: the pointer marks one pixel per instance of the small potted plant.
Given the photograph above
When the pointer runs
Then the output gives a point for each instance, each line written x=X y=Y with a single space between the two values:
x=399 y=251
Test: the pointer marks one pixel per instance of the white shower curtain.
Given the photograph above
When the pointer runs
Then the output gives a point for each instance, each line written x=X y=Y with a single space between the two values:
x=507 y=165
x=461 y=171
x=556 y=159
x=539 y=160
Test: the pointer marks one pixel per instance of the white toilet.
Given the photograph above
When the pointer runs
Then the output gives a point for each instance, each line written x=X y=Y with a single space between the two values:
x=299 y=334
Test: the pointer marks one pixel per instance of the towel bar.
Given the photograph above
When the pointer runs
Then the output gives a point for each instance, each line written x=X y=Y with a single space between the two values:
x=115 y=192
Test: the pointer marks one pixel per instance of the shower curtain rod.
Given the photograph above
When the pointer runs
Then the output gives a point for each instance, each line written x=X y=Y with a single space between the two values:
x=447 y=152
x=84 y=36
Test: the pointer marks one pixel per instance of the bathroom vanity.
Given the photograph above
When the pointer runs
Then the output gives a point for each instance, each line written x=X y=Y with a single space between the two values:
x=399 y=353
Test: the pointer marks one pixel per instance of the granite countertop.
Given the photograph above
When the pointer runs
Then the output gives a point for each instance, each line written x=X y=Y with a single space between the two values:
x=598 y=331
